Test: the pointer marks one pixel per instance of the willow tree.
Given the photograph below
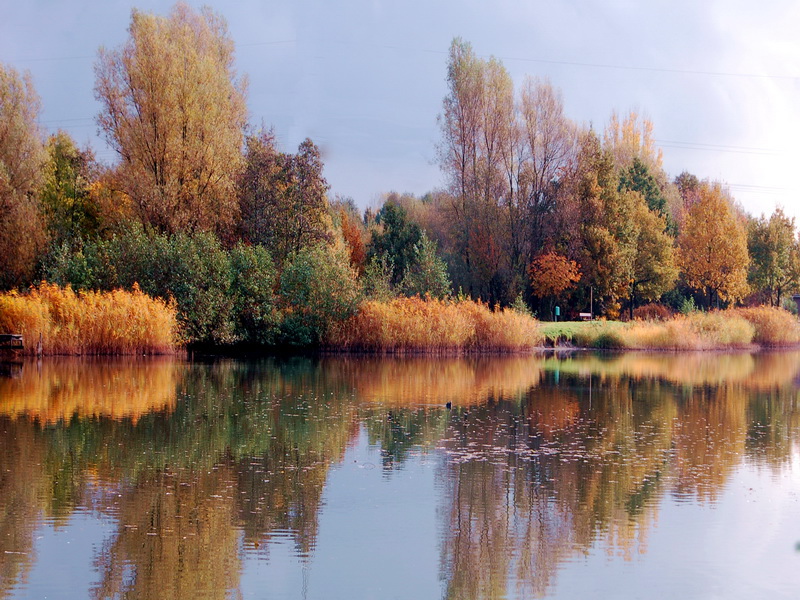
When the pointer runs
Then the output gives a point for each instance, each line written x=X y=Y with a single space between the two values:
x=22 y=158
x=174 y=110
x=712 y=247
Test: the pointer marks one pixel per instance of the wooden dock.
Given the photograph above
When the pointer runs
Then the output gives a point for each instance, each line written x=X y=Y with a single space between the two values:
x=11 y=342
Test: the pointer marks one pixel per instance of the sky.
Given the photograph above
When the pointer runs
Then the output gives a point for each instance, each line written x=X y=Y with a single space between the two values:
x=365 y=80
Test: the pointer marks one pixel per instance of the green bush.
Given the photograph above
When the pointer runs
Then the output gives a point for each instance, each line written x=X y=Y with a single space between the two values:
x=253 y=278
x=192 y=269
x=318 y=288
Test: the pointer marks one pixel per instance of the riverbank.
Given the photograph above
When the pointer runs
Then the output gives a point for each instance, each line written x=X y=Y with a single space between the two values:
x=732 y=329
x=121 y=322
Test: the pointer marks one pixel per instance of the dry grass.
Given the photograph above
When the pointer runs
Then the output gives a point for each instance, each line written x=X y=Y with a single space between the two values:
x=715 y=330
x=407 y=325
x=773 y=326
x=117 y=322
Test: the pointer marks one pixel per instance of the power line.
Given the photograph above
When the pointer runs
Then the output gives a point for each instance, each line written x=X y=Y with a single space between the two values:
x=717 y=148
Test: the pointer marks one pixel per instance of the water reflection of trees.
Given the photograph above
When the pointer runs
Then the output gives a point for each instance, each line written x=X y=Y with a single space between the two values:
x=543 y=460
x=581 y=466
x=245 y=447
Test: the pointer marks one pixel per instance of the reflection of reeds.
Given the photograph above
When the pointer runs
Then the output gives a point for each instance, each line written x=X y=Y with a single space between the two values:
x=462 y=381
x=754 y=371
x=67 y=322
x=434 y=326
x=60 y=389
x=714 y=330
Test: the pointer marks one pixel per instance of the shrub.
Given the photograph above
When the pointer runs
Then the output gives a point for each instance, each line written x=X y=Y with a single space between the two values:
x=193 y=269
x=253 y=277
x=652 y=312
x=318 y=289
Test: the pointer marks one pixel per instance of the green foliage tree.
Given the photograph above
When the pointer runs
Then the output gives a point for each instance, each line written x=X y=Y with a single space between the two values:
x=394 y=240
x=654 y=269
x=70 y=208
x=318 y=287
x=253 y=279
x=637 y=178
x=377 y=279
x=427 y=274
x=174 y=110
x=775 y=255
x=712 y=247
x=22 y=230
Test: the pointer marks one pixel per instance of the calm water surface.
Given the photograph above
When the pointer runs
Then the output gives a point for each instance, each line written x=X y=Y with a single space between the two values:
x=624 y=476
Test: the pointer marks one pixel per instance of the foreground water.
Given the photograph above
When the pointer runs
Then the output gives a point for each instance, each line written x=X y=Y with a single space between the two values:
x=627 y=476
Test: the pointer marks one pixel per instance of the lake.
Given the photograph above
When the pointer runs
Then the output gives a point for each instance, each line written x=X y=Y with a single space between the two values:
x=585 y=475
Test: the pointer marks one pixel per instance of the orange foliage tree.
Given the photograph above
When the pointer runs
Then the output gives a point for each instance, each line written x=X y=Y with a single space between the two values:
x=552 y=273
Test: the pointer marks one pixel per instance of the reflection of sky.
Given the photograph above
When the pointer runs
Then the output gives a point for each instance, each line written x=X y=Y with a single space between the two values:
x=743 y=546
x=378 y=536
x=63 y=554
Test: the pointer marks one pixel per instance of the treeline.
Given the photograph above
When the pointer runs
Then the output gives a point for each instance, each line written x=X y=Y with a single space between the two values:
x=203 y=209
x=539 y=205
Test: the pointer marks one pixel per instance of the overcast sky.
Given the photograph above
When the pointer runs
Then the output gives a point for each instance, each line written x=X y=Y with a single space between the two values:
x=365 y=80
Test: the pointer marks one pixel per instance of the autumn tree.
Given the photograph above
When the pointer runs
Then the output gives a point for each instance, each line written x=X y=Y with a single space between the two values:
x=775 y=255
x=353 y=231
x=603 y=233
x=22 y=156
x=552 y=274
x=712 y=247
x=458 y=149
x=632 y=137
x=282 y=197
x=174 y=109
x=550 y=145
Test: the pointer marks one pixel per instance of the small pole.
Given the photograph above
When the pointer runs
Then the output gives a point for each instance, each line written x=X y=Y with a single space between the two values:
x=591 y=303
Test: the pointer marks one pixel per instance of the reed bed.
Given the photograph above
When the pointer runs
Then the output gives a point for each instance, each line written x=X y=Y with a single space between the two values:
x=69 y=322
x=431 y=326
x=730 y=329
x=773 y=326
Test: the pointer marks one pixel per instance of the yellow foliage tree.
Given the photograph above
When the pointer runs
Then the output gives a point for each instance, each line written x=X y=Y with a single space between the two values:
x=22 y=157
x=712 y=247
x=174 y=110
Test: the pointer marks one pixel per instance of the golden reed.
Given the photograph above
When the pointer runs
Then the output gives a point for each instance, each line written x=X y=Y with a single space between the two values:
x=69 y=322
x=428 y=325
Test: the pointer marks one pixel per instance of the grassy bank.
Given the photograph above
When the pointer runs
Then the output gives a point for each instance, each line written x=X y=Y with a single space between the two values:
x=716 y=330
x=409 y=325
x=117 y=322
